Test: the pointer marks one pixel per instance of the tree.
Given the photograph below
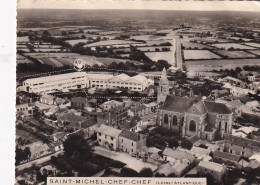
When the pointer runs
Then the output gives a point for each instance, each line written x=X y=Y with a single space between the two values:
x=83 y=37
x=128 y=172
x=146 y=172
x=63 y=33
x=186 y=144
x=77 y=148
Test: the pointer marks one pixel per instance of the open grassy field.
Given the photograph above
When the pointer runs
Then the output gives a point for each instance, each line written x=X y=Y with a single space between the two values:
x=199 y=54
x=257 y=45
x=235 y=54
x=73 y=42
x=155 y=56
x=211 y=40
x=226 y=46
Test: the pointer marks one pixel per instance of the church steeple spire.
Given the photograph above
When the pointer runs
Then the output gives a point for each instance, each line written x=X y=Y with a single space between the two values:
x=163 y=89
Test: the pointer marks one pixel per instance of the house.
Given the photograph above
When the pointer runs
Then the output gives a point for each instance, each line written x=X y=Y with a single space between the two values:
x=24 y=108
x=214 y=169
x=199 y=152
x=59 y=136
x=253 y=105
x=114 y=117
x=192 y=116
x=238 y=91
x=181 y=161
x=106 y=106
x=79 y=103
x=255 y=135
x=241 y=146
x=173 y=155
x=131 y=124
x=131 y=142
x=236 y=106
x=227 y=158
x=70 y=120
x=255 y=86
x=108 y=136
x=145 y=109
x=220 y=93
x=89 y=127
x=37 y=149
x=47 y=99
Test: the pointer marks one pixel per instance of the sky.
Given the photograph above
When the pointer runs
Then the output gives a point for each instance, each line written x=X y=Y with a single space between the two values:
x=141 y=4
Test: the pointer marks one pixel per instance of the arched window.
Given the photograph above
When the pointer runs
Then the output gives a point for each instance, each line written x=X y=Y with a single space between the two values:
x=182 y=121
x=174 y=120
x=219 y=126
x=226 y=126
x=192 y=126
x=165 y=118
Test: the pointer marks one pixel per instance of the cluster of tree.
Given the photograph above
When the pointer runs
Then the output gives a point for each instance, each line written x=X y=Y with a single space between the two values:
x=128 y=172
x=185 y=143
x=251 y=68
x=206 y=88
x=46 y=37
x=161 y=137
x=22 y=155
x=21 y=141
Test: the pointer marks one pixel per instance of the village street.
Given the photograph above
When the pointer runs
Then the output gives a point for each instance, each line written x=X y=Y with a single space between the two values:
x=37 y=161
x=131 y=162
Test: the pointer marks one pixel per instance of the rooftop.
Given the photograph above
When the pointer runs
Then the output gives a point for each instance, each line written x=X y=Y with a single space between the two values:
x=226 y=155
x=178 y=103
x=107 y=130
x=248 y=143
x=130 y=135
x=55 y=77
x=177 y=154
x=212 y=166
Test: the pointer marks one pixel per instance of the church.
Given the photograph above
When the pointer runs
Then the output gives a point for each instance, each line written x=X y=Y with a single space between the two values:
x=191 y=115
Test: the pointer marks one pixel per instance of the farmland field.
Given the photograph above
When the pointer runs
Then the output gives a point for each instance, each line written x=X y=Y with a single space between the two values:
x=155 y=56
x=47 y=49
x=110 y=42
x=22 y=59
x=199 y=54
x=257 y=45
x=235 y=54
x=46 y=46
x=73 y=42
x=256 y=52
x=22 y=39
x=192 y=45
x=212 y=40
x=226 y=46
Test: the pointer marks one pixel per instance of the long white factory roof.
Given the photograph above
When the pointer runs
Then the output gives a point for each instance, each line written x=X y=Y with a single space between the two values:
x=54 y=77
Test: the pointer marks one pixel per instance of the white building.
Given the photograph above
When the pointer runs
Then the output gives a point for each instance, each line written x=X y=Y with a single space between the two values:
x=135 y=83
x=54 y=83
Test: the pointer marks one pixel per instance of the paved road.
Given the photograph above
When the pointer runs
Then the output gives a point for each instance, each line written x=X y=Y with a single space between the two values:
x=131 y=162
x=37 y=161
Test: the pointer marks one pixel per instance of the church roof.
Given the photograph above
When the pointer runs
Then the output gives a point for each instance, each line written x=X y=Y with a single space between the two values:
x=178 y=103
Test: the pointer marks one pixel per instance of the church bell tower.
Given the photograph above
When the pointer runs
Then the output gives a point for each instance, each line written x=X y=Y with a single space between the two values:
x=163 y=89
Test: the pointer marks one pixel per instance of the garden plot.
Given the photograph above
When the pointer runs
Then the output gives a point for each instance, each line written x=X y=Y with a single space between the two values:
x=199 y=54
x=155 y=56
x=257 y=45
x=235 y=54
x=227 y=46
